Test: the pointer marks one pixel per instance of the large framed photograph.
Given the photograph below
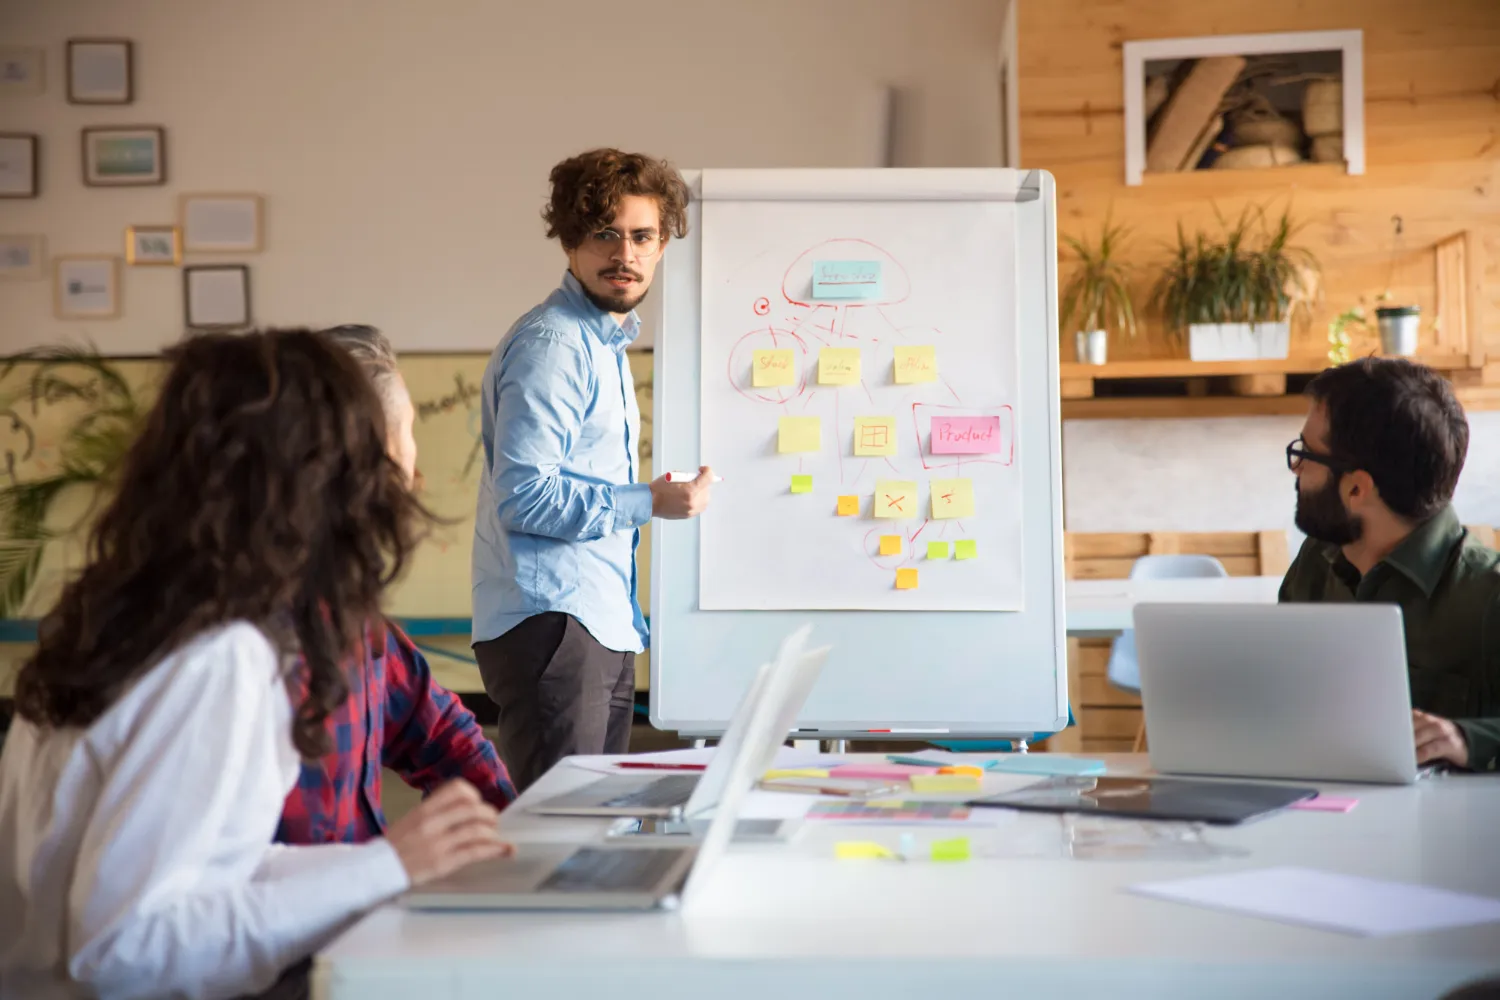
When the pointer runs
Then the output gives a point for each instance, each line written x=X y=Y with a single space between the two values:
x=18 y=165
x=86 y=287
x=100 y=71
x=21 y=257
x=220 y=223
x=21 y=71
x=153 y=245
x=119 y=157
x=216 y=296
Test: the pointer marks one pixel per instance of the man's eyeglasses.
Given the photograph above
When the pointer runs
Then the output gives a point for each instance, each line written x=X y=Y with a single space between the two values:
x=645 y=242
x=1297 y=452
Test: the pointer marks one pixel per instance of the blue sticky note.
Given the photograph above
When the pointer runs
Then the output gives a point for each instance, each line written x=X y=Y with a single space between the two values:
x=846 y=279
x=1046 y=763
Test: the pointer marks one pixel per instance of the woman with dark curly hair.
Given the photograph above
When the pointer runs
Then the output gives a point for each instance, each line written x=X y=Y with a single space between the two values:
x=254 y=526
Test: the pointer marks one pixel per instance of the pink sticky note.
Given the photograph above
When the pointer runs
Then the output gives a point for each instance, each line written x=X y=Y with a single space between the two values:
x=965 y=435
x=879 y=772
x=1327 y=803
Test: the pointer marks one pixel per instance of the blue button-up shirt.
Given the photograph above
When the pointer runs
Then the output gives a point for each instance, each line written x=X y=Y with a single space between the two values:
x=559 y=509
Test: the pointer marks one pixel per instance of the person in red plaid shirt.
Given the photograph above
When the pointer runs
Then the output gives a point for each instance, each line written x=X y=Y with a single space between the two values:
x=397 y=716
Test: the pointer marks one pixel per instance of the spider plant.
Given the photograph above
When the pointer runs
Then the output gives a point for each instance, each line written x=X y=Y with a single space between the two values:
x=1098 y=290
x=89 y=451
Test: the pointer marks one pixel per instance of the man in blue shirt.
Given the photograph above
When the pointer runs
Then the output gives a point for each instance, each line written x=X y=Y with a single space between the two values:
x=556 y=622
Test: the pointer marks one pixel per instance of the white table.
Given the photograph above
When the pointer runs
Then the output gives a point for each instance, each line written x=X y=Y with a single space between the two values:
x=790 y=921
x=1103 y=607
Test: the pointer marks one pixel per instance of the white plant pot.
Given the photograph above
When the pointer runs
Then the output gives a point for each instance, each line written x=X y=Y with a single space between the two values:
x=1091 y=347
x=1399 y=330
x=1238 y=341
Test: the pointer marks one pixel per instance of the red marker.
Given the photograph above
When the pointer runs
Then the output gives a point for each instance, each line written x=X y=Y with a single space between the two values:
x=652 y=765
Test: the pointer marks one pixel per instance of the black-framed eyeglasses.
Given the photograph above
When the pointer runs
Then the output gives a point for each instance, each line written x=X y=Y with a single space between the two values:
x=1297 y=452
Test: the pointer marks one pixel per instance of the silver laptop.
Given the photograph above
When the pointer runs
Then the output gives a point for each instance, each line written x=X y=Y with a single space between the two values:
x=630 y=877
x=1312 y=691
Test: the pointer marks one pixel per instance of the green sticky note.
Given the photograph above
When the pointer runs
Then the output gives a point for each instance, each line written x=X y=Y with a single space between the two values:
x=937 y=550
x=965 y=550
x=802 y=484
x=956 y=849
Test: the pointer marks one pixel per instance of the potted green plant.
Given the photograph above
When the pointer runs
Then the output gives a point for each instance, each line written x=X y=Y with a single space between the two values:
x=1096 y=297
x=89 y=450
x=1234 y=297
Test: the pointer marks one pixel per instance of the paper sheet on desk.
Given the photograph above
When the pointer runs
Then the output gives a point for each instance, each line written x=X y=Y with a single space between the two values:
x=1344 y=903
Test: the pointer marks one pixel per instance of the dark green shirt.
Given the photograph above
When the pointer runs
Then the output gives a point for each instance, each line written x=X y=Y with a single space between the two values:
x=1448 y=587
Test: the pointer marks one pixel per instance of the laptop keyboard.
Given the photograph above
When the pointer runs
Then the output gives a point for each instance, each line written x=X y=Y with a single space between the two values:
x=591 y=869
x=671 y=791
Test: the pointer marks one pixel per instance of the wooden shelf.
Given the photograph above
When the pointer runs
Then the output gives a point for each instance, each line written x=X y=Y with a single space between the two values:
x=1184 y=368
x=1475 y=399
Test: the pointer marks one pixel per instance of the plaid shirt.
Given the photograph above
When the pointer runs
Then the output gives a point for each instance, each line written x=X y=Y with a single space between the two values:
x=398 y=717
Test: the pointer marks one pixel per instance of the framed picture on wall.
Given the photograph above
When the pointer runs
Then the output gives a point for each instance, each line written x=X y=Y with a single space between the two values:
x=100 y=71
x=220 y=223
x=21 y=71
x=216 y=296
x=119 y=157
x=18 y=165
x=86 y=287
x=21 y=257
x=153 y=245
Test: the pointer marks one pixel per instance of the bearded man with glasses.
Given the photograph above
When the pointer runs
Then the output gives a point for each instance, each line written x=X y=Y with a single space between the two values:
x=556 y=621
x=1376 y=465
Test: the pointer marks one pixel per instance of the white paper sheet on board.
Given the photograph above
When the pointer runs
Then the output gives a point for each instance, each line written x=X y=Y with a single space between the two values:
x=947 y=279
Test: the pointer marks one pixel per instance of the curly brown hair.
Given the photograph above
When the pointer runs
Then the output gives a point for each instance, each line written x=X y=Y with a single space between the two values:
x=259 y=490
x=587 y=189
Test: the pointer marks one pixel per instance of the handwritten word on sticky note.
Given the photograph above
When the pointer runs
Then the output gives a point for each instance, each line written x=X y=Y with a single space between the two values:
x=952 y=498
x=848 y=506
x=937 y=550
x=802 y=484
x=931 y=783
x=838 y=366
x=796 y=434
x=965 y=435
x=895 y=498
x=890 y=545
x=861 y=850
x=915 y=364
x=965 y=549
x=846 y=279
x=769 y=368
x=954 y=849
x=906 y=579
x=874 y=436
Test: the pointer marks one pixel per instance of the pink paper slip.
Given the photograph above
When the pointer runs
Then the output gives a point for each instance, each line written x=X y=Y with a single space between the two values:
x=965 y=435
x=1327 y=804
x=879 y=772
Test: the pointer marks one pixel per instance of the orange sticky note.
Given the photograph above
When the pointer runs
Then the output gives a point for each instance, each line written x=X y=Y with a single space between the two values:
x=848 y=506
x=890 y=545
x=906 y=579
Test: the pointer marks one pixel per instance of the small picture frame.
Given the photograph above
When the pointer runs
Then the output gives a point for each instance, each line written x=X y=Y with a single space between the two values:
x=220 y=223
x=126 y=156
x=22 y=71
x=86 y=287
x=153 y=245
x=18 y=164
x=100 y=71
x=216 y=296
x=22 y=257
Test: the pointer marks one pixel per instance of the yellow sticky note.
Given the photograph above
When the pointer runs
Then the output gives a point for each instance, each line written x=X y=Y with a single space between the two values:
x=890 y=545
x=773 y=368
x=861 y=850
x=956 y=849
x=895 y=498
x=937 y=550
x=797 y=772
x=906 y=579
x=838 y=366
x=969 y=769
x=848 y=506
x=952 y=498
x=944 y=782
x=802 y=484
x=874 y=435
x=915 y=364
x=966 y=549
x=799 y=434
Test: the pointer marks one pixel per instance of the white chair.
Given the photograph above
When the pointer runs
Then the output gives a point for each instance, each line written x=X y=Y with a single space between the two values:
x=1124 y=669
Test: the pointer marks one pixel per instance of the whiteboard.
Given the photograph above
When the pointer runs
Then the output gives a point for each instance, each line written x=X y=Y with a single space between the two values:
x=977 y=649
x=947 y=282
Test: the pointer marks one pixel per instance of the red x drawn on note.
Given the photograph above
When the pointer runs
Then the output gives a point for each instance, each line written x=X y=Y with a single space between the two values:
x=894 y=503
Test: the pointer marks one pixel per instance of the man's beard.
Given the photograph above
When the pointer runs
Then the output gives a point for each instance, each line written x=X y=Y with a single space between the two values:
x=1322 y=515
x=619 y=302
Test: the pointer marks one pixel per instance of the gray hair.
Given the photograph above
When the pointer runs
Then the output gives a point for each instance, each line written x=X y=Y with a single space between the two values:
x=372 y=350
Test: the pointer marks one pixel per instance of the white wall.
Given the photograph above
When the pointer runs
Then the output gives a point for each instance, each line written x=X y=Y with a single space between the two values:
x=403 y=146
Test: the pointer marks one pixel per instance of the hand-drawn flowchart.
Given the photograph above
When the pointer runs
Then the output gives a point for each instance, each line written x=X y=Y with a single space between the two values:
x=859 y=399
